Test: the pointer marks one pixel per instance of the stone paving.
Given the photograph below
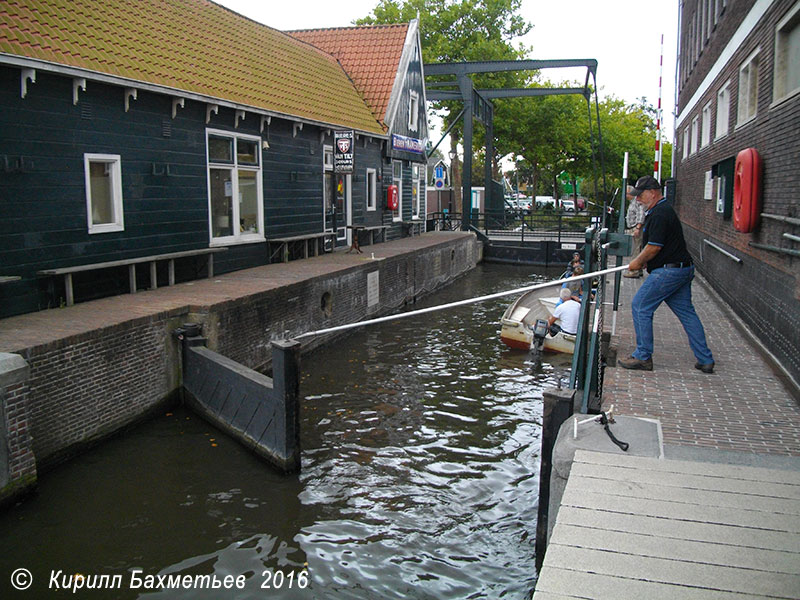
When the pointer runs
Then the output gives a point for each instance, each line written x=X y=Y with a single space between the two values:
x=743 y=406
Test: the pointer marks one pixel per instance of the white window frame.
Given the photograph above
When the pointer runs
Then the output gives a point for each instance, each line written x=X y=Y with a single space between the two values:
x=782 y=61
x=114 y=162
x=399 y=183
x=705 y=126
x=723 y=111
x=695 y=135
x=372 y=189
x=422 y=192
x=747 y=100
x=238 y=237
x=413 y=110
x=418 y=176
x=327 y=167
x=686 y=138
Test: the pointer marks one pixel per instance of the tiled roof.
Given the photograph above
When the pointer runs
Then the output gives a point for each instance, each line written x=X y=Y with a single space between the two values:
x=191 y=45
x=370 y=55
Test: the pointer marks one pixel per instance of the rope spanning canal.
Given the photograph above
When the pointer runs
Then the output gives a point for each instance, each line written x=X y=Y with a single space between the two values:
x=420 y=476
x=467 y=302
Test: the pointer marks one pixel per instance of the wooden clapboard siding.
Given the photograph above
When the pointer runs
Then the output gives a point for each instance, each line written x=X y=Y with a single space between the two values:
x=44 y=208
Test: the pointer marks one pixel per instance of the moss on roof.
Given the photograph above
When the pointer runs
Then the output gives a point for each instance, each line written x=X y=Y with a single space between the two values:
x=191 y=45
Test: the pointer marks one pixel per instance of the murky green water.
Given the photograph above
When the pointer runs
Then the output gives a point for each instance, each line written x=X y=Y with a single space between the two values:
x=420 y=478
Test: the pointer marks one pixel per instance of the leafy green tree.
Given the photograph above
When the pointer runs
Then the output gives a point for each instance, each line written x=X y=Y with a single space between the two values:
x=457 y=31
x=549 y=133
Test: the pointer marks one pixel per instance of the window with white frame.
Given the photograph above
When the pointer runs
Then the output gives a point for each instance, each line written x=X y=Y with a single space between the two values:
x=787 y=55
x=422 y=192
x=235 y=196
x=418 y=190
x=723 y=110
x=413 y=111
x=705 y=126
x=372 y=189
x=103 y=176
x=748 y=90
x=695 y=133
x=397 y=179
x=686 y=142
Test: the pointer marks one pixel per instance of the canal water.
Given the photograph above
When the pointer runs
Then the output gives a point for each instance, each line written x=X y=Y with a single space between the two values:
x=420 y=478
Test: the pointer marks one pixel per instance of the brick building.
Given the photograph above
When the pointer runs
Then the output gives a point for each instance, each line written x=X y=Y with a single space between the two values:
x=738 y=89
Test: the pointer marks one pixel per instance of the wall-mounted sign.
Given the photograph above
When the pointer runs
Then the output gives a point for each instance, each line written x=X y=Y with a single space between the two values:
x=343 y=148
x=407 y=144
x=708 y=191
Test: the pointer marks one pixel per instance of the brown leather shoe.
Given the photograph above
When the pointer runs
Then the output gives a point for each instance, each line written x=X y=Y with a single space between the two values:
x=707 y=368
x=635 y=363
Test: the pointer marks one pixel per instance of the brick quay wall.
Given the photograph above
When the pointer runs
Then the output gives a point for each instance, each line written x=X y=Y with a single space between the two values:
x=98 y=367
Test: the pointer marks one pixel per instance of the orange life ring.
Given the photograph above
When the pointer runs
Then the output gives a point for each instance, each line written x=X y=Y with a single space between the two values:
x=746 y=190
x=392 y=200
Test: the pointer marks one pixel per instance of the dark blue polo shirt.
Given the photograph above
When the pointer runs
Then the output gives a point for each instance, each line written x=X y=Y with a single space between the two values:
x=663 y=228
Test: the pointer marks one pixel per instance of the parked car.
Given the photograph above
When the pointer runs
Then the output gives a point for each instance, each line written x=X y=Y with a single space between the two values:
x=545 y=201
x=568 y=205
x=518 y=202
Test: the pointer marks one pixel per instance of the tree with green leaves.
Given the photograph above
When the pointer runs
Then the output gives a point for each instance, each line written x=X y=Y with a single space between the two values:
x=457 y=31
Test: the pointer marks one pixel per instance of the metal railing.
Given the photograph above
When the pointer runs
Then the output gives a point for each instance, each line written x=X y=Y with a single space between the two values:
x=534 y=226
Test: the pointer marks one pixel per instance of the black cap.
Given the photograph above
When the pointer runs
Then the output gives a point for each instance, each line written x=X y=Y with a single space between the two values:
x=645 y=183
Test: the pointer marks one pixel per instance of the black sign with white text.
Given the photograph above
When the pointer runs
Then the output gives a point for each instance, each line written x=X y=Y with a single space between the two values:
x=343 y=148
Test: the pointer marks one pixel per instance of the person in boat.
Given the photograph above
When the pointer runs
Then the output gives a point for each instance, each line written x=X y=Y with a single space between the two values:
x=568 y=312
x=671 y=271
x=575 y=286
x=574 y=262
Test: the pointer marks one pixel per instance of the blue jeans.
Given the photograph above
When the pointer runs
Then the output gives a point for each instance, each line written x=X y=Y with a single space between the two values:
x=673 y=286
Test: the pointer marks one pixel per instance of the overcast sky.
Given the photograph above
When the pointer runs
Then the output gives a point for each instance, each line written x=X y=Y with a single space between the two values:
x=623 y=35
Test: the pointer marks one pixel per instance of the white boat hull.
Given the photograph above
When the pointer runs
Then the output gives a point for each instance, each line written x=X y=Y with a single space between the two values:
x=516 y=329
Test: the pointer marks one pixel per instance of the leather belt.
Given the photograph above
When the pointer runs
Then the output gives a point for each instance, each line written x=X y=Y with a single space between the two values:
x=679 y=265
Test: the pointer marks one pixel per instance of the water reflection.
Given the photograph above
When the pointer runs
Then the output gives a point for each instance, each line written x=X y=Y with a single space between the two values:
x=420 y=477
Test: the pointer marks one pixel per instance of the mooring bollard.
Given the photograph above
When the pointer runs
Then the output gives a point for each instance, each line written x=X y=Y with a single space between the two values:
x=558 y=407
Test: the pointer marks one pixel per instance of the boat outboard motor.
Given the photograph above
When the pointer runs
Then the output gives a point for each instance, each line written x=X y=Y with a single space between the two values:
x=539 y=332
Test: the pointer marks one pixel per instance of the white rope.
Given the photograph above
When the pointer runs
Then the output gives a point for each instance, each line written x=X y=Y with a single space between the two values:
x=423 y=311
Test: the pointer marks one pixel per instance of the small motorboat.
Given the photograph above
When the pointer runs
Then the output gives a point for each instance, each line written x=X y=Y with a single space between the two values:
x=520 y=320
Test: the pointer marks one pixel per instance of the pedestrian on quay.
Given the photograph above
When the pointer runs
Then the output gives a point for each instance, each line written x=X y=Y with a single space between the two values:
x=634 y=219
x=671 y=271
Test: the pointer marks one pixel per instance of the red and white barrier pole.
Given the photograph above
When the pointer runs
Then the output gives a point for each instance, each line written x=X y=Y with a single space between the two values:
x=657 y=159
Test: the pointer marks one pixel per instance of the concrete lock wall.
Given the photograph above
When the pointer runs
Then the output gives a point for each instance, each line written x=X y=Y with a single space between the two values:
x=85 y=387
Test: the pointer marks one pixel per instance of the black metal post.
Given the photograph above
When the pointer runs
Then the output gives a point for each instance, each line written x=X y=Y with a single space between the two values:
x=465 y=85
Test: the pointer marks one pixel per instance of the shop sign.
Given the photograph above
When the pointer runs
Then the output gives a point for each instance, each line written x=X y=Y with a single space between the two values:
x=407 y=144
x=343 y=148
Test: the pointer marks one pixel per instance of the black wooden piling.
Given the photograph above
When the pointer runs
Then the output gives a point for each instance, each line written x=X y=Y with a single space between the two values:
x=558 y=407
